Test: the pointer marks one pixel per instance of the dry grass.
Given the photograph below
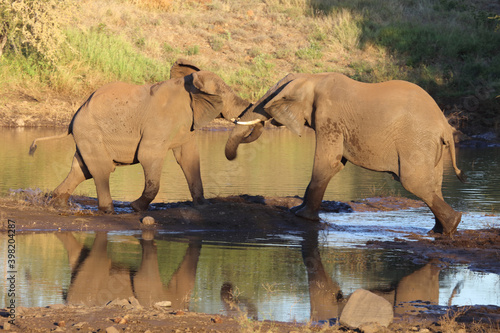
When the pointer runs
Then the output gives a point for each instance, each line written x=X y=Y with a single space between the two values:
x=252 y=44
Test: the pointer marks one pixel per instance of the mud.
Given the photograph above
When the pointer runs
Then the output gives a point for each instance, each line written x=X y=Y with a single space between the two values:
x=239 y=216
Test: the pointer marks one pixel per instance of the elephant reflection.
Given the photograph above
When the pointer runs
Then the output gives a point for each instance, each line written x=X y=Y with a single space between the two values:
x=95 y=280
x=326 y=298
x=420 y=286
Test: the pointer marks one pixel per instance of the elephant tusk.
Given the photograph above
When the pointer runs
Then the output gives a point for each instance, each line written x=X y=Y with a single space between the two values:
x=247 y=123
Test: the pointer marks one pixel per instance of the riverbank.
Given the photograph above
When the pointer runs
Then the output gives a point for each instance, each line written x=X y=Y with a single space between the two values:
x=243 y=215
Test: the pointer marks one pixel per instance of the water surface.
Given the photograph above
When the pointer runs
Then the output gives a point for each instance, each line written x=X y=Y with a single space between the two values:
x=290 y=280
x=278 y=164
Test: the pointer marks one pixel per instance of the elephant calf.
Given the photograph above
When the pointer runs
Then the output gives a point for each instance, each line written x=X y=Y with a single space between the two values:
x=123 y=124
x=393 y=126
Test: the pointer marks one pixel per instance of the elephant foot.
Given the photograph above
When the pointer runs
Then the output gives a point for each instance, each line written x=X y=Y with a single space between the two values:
x=297 y=208
x=140 y=205
x=307 y=214
x=452 y=224
x=200 y=202
x=60 y=200
x=107 y=210
x=448 y=228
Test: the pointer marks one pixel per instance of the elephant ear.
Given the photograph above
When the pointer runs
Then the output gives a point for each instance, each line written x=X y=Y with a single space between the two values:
x=291 y=105
x=205 y=100
x=181 y=68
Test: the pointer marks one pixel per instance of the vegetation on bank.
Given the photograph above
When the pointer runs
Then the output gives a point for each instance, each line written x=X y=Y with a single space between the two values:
x=63 y=49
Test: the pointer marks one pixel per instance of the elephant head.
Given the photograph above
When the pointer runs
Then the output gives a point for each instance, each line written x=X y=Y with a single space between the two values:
x=286 y=102
x=210 y=95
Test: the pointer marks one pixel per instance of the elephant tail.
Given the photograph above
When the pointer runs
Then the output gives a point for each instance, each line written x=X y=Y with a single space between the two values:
x=450 y=142
x=34 y=146
x=60 y=136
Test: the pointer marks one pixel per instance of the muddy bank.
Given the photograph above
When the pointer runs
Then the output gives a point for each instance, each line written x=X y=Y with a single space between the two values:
x=241 y=216
x=33 y=212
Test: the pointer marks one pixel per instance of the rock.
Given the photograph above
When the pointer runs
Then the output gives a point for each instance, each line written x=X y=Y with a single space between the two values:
x=370 y=328
x=364 y=307
x=135 y=303
x=148 y=220
x=80 y=324
x=111 y=329
x=118 y=302
x=61 y=323
x=56 y=306
x=163 y=304
x=6 y=326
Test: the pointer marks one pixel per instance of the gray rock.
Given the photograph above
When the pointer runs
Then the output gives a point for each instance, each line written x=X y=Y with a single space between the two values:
x=163 y=304
x=111 y=329
x=364 y=307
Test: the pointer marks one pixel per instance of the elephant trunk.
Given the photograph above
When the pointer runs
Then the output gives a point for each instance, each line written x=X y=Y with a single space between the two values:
x=236 y=137
x=244 y=134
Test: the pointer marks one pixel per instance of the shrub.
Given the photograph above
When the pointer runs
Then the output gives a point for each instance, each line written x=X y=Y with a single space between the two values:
x=33 y=26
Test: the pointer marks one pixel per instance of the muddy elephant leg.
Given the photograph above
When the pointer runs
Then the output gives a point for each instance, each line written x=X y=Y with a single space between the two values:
x=327 y=162
x=425 y=183
x=447 y=219
x=76 y=176
x=189 y=159
x=152 y=166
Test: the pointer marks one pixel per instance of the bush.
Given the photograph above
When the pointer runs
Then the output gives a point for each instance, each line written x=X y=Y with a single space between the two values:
x=33 y=26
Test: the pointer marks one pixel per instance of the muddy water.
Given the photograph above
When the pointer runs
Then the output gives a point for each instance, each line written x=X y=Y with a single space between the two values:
x=278 y=164
x=274 y=277
x=284 y=280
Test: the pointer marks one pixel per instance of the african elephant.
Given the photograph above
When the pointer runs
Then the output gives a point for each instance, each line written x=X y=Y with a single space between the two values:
x=124 y=124
x=394 y=127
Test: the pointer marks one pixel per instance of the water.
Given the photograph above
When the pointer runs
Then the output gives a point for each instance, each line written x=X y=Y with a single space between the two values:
x=267 y=277
x=278 y=164
x=268 y=280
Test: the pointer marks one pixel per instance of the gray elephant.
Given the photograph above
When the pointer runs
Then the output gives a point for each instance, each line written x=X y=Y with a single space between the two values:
x=394 y=126
x=124 y=124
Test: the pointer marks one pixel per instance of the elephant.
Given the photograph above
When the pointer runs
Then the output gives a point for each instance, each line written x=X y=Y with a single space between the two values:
x=392 y=126
x=124 y=124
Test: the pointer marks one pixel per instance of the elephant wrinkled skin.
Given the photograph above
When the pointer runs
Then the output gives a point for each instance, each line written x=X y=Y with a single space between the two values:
x=394 y=127
x=123 y=124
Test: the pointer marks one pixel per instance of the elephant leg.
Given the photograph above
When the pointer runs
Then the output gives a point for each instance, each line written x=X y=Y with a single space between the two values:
x=188 y=158
x=328 y=161
x=76 y=176
x=152 y=165
x=425 y=183
x=100 y=166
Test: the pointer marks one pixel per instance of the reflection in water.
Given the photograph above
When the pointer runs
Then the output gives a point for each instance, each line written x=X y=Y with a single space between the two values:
x=96 y=277
x=96 y=281
x=303 y=279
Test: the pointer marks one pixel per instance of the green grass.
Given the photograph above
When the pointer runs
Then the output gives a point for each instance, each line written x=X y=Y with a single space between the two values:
x=113 y=55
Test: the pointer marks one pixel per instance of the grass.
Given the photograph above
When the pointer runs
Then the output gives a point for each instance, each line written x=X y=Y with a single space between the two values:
x=449 y=47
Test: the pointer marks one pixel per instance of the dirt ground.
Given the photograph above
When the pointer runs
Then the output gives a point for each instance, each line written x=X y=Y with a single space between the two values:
x=479 y=248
